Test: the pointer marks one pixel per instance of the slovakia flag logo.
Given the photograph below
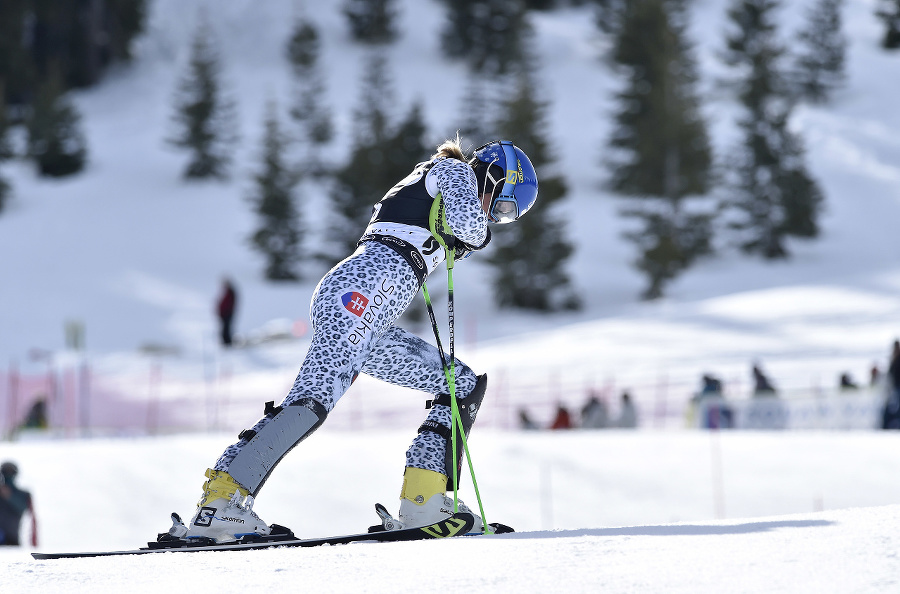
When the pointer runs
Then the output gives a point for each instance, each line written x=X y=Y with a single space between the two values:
x=355 y=302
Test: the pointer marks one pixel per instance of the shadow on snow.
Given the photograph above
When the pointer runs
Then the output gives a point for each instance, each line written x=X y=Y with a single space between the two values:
x=676 y=529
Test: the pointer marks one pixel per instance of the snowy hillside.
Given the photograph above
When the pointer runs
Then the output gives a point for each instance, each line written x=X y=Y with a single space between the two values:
x=137 y=255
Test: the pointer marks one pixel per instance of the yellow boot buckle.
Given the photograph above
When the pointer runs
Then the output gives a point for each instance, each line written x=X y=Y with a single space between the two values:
x=419 y=485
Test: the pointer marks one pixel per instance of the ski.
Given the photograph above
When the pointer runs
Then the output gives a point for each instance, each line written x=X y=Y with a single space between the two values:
x=456 y=525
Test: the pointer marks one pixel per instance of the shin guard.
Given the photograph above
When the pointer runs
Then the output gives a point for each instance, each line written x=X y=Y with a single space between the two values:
x=468 y=409
x=287 y=426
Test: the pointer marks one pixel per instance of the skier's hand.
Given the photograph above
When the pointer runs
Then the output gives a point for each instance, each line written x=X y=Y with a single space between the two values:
x=463 y=250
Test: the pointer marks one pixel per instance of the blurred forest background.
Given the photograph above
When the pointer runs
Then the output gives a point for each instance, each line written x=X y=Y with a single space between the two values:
x=679 y=192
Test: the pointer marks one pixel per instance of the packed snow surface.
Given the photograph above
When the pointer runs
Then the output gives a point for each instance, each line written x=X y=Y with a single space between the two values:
x=614 y=511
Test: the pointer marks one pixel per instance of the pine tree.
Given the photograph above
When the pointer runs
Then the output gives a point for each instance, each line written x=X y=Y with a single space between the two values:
x=367 y=175
x=205 y=119
x=371 y=21
x=4 y=192
x=820 y=65
x=769 y=190
x=376 y=164
x=55 y=140
x=279 y=233
x=530 y=255
x=660 y=153
x=608 y=14
x=309 y=111
x=475 y=124
x=84 y=38
x=487 y=34
x=16 y=63
x=125 y=20
x=548 y=5
x=5 y=148
x=406 y=148
x=540 y=4
x=889 y=13
x=76 y=41
x=6 y=151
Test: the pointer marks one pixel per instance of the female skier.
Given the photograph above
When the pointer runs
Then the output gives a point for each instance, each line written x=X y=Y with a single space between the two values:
x=446 y=201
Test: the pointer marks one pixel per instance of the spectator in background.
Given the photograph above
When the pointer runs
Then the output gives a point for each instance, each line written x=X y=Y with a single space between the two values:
x=710 y=403
x=525 y=421
x=874 y=375
x=37 y=415
x=894 y=368
x=761 y=384
x=847 y=383
x=712 y=387
x=225 y=309
x=562 y=420
x=627 y=413
x=890 y=413
x=594 y=414
x=14 y=502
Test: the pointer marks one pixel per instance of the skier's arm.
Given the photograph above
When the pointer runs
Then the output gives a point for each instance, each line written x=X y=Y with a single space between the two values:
x=457 y=185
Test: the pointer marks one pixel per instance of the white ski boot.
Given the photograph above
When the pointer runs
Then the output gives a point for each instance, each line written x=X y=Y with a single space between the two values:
x=423 y=501
x=438 y=507
x=225 y=512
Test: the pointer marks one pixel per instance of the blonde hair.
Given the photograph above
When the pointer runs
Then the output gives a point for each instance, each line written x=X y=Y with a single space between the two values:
x=451 y=148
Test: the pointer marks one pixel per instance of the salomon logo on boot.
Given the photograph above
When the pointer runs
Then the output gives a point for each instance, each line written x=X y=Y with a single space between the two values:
x=205 y=517
x=227 y=520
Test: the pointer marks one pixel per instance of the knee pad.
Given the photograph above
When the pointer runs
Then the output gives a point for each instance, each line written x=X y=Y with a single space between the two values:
x=264 y=449
x=468 y=409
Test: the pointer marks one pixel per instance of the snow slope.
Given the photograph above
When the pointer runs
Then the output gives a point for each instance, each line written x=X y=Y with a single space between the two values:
x=842 y=551
x=619 y=511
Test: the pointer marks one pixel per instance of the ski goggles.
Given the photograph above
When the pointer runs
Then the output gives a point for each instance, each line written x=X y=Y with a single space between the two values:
x=504 y=208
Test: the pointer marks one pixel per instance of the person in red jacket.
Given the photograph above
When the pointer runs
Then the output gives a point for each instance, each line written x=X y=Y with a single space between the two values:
x=225 y=309
x=563 y=419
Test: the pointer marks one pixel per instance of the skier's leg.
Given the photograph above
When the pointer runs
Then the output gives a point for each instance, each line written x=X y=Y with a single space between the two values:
x=351 y=308
x=401 y=358
x=404 y=359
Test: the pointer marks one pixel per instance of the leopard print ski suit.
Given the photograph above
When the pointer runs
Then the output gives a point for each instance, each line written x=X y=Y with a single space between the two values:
x=355 y=306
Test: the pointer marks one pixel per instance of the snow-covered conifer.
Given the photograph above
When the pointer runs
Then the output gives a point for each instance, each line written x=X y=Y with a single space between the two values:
x=204 y=117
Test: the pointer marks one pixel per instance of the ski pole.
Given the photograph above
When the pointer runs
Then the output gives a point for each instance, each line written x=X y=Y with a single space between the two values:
x=450 y=373
x=457 y=419
x=437 y=223
x=450 y=382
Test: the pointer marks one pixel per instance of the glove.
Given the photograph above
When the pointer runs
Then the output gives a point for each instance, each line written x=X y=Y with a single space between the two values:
x=462 y=250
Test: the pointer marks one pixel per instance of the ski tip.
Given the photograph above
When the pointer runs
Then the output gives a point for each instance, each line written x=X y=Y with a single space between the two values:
x=497 y=528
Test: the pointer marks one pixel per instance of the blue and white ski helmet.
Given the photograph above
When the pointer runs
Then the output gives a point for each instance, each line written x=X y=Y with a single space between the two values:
x=505 y=172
